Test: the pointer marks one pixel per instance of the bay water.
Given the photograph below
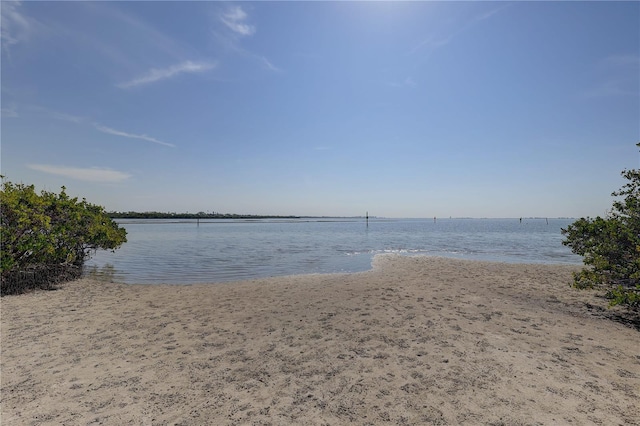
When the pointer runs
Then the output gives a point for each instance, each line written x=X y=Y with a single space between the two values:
x=185 y=251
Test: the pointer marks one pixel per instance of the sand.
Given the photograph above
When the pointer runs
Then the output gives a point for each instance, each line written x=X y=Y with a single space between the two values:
x=417 y=340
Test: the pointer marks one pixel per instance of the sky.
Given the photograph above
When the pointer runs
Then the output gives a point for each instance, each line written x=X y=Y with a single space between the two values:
x=398 y=109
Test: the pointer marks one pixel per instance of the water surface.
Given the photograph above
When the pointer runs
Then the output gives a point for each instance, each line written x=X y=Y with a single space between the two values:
x=174 y=251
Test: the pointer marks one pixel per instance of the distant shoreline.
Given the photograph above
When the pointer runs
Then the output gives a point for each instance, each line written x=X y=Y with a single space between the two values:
x=162 y=215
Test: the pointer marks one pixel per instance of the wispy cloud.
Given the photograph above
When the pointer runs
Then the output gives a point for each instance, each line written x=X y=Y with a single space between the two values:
x=56 y=115
x=93 y=174
x=83 y=121
x=16 y=27
x=269 y=65
x=431 y=43
x=155 y=74
x=407 y=82
x=111 y=131
x=619 y=61
x=235 y=19
x=434 y=42
x=618 y=76
x=66 y=117
x=235 y=27
x=145 y=33
x=9 y=112
x=116 y=55
x=490 y=13
x=613 y=88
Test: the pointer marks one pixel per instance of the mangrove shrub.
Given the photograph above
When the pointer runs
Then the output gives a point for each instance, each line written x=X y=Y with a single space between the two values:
x=610 y=246
x=46 y=237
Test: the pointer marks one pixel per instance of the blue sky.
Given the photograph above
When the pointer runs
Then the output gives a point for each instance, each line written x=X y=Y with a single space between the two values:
x=416 y=109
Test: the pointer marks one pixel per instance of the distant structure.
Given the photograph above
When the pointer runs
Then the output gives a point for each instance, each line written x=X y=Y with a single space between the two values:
x=367 y=216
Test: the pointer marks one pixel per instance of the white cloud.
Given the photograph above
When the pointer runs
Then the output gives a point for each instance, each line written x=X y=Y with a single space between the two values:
x=162 y=74
x=93 y=174
x=111 y=131
x=234 y=19
x=15 y=26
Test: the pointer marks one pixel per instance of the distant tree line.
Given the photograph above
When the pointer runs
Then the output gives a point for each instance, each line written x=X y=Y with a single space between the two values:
x=199 y=215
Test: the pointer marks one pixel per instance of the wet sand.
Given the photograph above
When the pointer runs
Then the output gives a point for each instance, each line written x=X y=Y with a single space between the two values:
x=416 y=340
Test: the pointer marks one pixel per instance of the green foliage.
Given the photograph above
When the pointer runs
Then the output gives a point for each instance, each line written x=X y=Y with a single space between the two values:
x=50 y=231
x=611 y=246
x=624 y=296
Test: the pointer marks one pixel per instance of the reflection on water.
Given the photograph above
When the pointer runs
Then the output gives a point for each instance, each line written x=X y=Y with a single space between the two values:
x=104 y=273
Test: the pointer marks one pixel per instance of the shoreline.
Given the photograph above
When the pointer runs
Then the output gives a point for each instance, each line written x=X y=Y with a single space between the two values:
x=94 y=272
x=414 y=340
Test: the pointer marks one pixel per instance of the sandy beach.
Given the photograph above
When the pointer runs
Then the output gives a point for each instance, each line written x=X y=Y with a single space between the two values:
x=416 y=340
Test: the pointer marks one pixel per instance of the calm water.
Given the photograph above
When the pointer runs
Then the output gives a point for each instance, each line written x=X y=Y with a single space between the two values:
x=165 y=251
